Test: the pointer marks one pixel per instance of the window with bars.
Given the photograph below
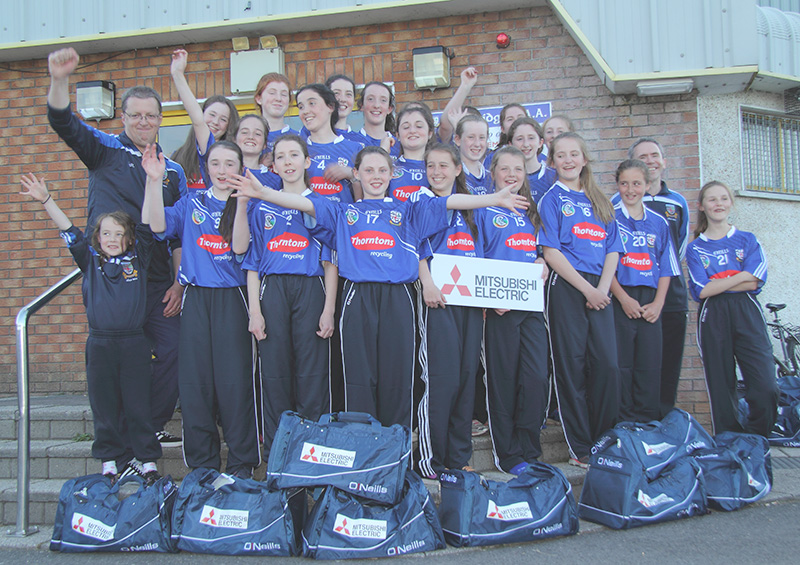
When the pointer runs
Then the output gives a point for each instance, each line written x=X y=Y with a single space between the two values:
x=771 y=152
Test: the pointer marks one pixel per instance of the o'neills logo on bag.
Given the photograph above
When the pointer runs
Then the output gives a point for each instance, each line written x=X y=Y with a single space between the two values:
x=223 y=518
x=585 y=230
x=324 y=187
x=323 y=455
x=461 y=241
x=638 y=261
x=89 y=527
x=287 y=243
x=521 y=242
x=359 y=527
x=372 y=240
x=650 y=501
x=214 y=244
x=510 y=512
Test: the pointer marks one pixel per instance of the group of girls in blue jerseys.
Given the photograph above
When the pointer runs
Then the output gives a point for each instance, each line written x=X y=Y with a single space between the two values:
x=294 y=241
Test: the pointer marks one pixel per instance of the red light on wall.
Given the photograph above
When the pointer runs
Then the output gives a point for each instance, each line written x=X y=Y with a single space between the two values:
x=503 y=40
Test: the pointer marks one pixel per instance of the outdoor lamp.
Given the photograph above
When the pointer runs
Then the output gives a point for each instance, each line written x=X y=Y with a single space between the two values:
x=431 y=67
x=96 y=99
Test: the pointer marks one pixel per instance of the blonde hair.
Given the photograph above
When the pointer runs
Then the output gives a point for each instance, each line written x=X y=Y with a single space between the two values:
x=702 y=219
x=600 y=202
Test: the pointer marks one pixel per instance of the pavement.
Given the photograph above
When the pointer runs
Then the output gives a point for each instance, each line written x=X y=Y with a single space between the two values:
x=786 y=487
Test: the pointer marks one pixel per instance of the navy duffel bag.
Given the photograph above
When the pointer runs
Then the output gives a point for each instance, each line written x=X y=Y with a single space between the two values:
x=534 y=505
x=348 y=450
x=91 y=516
x=221 y=514
x=618 y=493
x=344 y=526
x=737 y=471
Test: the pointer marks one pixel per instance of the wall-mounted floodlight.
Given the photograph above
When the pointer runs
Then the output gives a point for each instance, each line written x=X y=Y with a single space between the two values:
x=95 y=99
x=431 y=67
x=664 y=87
x=241 y=43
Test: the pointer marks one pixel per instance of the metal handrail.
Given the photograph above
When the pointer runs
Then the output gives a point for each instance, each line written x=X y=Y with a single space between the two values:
x=23 y=398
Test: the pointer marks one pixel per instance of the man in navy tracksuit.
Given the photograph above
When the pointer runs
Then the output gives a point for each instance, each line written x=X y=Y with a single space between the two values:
x=116 y=182
x=673 y=207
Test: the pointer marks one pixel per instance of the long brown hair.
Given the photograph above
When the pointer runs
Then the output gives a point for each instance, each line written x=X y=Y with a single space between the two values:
x=461 y=180
x=600 y=202
x=128 y=225
x=229 y=211
x=702 y=219
x=505 y=137
x=525 y=189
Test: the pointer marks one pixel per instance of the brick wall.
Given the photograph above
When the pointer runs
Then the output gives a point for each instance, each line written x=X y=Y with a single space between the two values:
x=543 y=63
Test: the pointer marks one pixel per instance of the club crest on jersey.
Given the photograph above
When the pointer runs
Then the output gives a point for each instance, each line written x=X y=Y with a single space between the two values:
x=198 y=217
x=500 y=221
x=269 y=221
x=624 y=237
x=398 y=172
x=127 y=268
x=705 y=261
x=395 y=217
x=651 y=240
x=670 y=211
x=568 y=209
x=740 y=255
x=343 y=162
x=352 y=216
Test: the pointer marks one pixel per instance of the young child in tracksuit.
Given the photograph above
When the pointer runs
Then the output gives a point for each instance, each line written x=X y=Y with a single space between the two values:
x=515 y=340
x=639 y=290
x=727 y=269
x=114 y=266
x=582 y=246
x=291 y=289
x=216 y=351
x=377 y=242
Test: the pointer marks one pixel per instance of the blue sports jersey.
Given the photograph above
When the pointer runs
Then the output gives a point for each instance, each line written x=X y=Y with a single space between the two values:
x=649 y=253
x=375 y=141
x=481 y=184
x=280 y=242
x=274 y=135
x=505 y=235
x=710 y=259
x=377 y=240
x=541 y=181
x=338 y=152
x=408 y=177
x=207 y=259
x=264 y=175
x=570 y=225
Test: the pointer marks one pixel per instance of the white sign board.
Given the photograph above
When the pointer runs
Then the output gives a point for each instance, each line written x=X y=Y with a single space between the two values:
x=539 y=111
x=489 y=283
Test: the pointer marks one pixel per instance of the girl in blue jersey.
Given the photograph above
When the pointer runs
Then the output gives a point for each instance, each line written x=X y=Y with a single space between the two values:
x=581 y=245
x=114 y=266
x=272 y=97
x=331 y=170
x=216 y=355
x=639 y=290
x=414 y=132
x=376 y=241
x=344 y=89
x=471 y=135
x=515 y=341
x=291 y=295
x=218 y=116
x=727 y=269
x=377 y=105
x=508 y=115
x=450 y=335
x=528 y=136
x=553 y=127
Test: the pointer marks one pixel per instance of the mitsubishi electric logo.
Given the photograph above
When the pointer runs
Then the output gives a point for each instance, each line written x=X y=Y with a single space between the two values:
x=449 y=288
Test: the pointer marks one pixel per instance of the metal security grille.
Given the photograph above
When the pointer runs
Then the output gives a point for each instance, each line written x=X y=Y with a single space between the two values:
x=771 y=153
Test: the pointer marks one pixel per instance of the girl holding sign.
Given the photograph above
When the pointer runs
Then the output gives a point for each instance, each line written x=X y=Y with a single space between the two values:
x=582 y=246
x=450 y=337
x=515 y=340
x=376 y=241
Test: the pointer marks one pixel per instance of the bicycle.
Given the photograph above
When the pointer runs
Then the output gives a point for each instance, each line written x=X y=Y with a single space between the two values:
x=789 y=337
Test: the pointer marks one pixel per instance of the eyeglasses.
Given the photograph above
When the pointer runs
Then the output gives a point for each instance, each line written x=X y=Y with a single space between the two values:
x=149 y=118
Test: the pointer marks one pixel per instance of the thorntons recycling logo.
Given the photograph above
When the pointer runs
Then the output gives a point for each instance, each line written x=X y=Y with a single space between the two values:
x=92 y=528
x=462 y=289
x=638 y=261
x=586 y=230
x=510 y=512
x=322 y=186
x=287 y=243
x=224 y=518
x=359 y=527
x=213 y=243
x=323 y=455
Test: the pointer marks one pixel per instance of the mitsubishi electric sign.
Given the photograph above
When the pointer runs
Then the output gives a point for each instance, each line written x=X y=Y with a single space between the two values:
x=489 y=283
